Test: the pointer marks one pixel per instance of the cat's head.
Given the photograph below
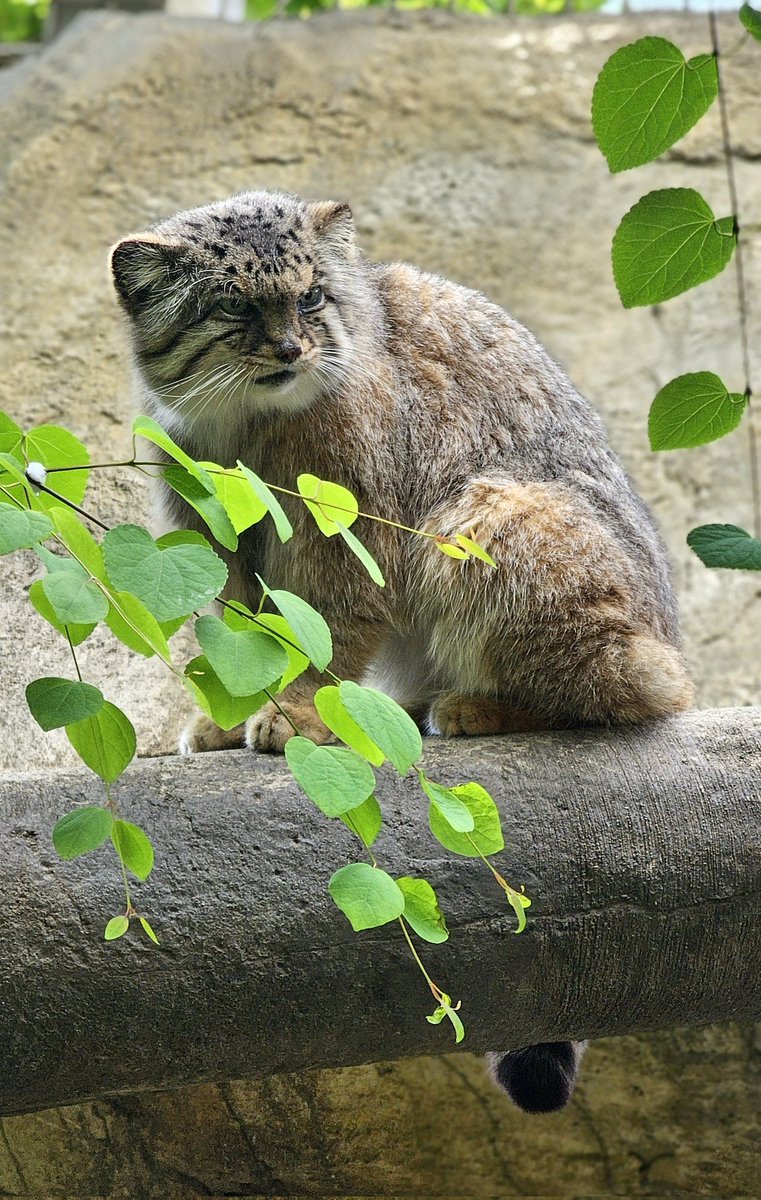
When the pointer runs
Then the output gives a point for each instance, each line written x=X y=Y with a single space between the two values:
x=243 y=306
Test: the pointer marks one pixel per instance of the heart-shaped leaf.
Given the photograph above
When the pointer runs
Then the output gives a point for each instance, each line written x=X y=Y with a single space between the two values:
x=330 y=504
x=647 y=97
x=726 y=546
x=692 y=410
x=335 y=779
x=386 y=722
x=246 y=661
x=751 y=19
x=365 y=820
x=77 y=633
x=171 y=579
x=236 y=495
x=328 y=702
x=421 y=909
x=55 y=702
x=106 y=742
x=270 y=502
x=485 y=837
x=74 y=598
x=149 y=429
x=669 y=242
x=20 y=528
x=116 y=928
x=310 y=627
x=213 y=697
x=82 y=830
x=367 y=896
x=447 y=805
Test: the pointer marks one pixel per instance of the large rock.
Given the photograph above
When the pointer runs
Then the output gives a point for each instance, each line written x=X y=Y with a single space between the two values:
x=464 y=146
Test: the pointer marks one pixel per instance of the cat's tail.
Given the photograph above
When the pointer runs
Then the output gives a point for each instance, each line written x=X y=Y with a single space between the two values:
x=539 y=1078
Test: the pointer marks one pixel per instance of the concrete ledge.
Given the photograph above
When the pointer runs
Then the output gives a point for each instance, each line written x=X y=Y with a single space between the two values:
x=640 y=847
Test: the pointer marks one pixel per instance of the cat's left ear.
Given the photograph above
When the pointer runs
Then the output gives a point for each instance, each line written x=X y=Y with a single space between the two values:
x=140 y=264
x=332 y=222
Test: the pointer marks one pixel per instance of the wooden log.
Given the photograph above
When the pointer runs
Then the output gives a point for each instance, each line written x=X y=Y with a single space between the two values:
x=640 y=849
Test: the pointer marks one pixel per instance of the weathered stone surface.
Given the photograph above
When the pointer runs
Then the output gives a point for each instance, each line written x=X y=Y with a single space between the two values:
x=464 y=146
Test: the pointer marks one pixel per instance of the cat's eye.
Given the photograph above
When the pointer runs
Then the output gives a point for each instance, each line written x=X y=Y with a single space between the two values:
x=311 y=300
x=233 y=306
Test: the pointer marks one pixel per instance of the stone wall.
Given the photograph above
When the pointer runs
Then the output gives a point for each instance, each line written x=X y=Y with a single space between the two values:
x=464 y=145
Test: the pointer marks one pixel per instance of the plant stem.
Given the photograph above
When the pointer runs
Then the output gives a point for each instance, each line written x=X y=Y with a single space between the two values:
x=438 y=995
x=73 y=653
x=742 y=302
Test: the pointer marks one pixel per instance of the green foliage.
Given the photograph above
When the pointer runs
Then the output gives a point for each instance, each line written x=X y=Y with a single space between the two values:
x=171 y=578
x=446 y=807
x=421 y=909
x=54 y=702
x=692 y=410
x=105 y=742
x=133 y=847
x=20 y=529
x=669 y=242
x=751 y=19
x=726 y=546
x=335 y=779
x=485 y=834
x=80 y=831
x=145 y=589
x=367 y=896
x=22 y=21
x=647 y=97
x=245 y=661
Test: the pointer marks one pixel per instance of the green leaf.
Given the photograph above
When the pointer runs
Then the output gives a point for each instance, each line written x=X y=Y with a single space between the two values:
x=647 y=97
x=363 y=554
x=78 y=540
x=148 y=930
x=446 y=1010
x=367 y=896
x=54 y=446
x=332 y=506
x=385 y=722
x=77 y=633
x=213 y=697
x=20 y=529
x=421 y=909
x=310 y=628
x=149 y=429
x=474 y=550
x=751 y=19
x=272 y=505
x=329 y=705
x=236 y=495
x=692 y=410
x=449 y=807
x=298 y=661
x=667 y=243
x=131 y=622
x=486 y=832
x=208 y=507
x=450 y=550
x=335 y=779
x=365 y=820
x=519 y=903
x=106 y=742
x=11 y=436
x=133 y=847
x=245 y=661
x=54 y=702
x=116 y=928
x=75 y=600
x=726 y=546
x=82 y=830
x=171 y=579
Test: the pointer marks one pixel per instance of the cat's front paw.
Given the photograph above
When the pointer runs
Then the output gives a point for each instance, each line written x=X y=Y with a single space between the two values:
x=202 y=734
x=268 y=730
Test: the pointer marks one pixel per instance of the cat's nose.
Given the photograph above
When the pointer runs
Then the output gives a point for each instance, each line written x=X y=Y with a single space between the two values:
x=288 y=350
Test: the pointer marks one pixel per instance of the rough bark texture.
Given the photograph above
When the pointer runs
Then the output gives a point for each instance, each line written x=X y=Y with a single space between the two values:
x=464 y=146
x=640 y=847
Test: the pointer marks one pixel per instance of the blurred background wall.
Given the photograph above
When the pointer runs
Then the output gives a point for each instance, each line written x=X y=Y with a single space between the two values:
x=464 y=145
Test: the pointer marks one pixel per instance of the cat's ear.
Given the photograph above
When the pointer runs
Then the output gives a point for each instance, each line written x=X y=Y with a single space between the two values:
x=332 y=222
x=141 y=263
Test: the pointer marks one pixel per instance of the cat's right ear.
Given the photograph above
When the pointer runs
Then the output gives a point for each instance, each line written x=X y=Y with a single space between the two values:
x=140 y=264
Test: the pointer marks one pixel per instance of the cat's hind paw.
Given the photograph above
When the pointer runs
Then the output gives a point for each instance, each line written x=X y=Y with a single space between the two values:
x=270 y=728
x=201 y=734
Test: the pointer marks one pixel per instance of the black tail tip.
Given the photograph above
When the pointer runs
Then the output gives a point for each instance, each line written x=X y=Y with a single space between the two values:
x=539 y=1079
